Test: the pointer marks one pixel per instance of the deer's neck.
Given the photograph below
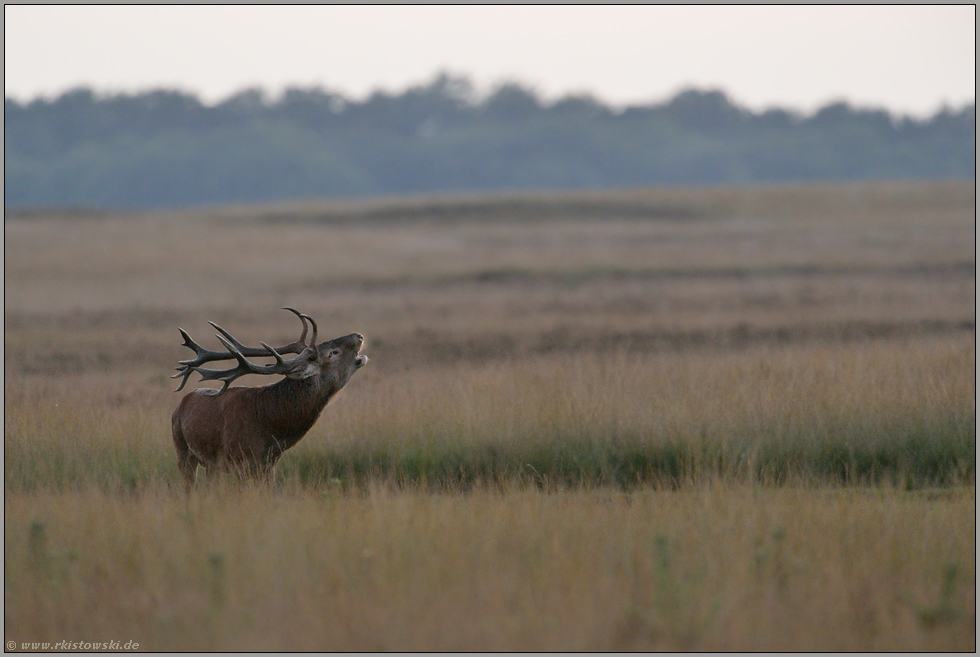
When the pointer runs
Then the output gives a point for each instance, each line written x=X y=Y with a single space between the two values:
x=289 y=408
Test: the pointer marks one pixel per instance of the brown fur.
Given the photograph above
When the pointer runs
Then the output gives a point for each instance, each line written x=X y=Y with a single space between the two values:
x=246 y=430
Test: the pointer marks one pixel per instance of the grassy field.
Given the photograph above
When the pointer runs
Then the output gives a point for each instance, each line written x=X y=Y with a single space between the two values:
x=712 y=419
x=712 y=567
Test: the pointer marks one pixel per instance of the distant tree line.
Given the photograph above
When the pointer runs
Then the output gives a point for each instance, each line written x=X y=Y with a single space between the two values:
x=168 y=149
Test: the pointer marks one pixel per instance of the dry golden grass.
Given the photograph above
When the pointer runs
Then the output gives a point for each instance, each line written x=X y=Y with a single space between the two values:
x=716 y=567
x=677 y=419
x=833 y=412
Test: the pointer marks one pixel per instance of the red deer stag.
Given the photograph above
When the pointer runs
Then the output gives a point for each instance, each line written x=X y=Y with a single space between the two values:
x=246 y=430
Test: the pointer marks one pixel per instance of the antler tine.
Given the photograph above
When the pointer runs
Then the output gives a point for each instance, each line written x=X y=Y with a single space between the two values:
x=302 y=318
x=185 y=372
x=203 y=355
x=313 y=340
x=186 y=367
x=188 y=341
x=215 y=393
x=238 y=345
x=233 y=347
x=279 y=360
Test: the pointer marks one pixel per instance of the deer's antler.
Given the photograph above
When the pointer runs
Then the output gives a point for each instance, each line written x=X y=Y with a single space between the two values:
x=239 y=352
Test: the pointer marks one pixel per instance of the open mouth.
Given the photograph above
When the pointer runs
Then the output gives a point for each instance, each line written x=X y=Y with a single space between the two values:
x=361 y=361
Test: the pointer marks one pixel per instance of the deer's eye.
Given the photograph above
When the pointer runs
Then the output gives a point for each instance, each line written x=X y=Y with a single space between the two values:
x=334 y=352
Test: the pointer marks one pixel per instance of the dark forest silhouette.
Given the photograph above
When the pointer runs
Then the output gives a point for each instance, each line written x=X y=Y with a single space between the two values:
x=168 y=149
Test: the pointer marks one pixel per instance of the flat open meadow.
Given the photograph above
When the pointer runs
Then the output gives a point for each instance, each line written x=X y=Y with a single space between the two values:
x=691 y=419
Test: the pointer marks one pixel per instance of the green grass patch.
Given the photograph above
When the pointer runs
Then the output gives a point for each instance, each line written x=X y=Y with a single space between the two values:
x=923 y=454
x=933 y=454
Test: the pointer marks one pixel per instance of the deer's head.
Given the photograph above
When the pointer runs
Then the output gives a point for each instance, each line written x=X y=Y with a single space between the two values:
x=332 y=363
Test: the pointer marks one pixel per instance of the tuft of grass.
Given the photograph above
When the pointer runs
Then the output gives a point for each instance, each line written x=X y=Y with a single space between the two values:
x=945 y=610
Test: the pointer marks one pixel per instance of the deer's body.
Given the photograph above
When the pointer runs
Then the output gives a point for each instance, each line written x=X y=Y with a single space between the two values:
x=246 y=430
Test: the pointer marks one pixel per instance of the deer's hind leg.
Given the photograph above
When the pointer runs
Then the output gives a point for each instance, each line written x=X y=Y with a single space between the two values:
x=187 y=462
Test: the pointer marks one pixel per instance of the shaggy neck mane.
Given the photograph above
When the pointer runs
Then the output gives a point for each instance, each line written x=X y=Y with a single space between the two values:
x=289 y=408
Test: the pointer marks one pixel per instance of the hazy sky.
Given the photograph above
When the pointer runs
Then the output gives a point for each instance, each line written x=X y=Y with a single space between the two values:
x=908 y=59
